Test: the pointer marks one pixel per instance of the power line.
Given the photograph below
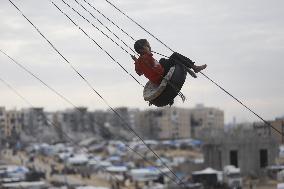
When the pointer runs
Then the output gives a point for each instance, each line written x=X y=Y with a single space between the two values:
x=96 y=92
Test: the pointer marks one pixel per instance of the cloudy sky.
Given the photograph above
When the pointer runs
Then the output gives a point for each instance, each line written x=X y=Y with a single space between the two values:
x=242 y=42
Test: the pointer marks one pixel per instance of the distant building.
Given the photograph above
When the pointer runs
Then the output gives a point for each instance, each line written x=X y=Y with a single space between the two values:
x=266 y=130
x=33 y=120
x=14 y=123
x=205 y=119
x=166 y=123
x=10 y=122
x=76 y=120
x=2 y=120
x=174 y=123
x=242 y=148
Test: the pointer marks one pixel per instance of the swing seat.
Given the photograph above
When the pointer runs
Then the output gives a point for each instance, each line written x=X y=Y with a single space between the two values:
x=164 y=94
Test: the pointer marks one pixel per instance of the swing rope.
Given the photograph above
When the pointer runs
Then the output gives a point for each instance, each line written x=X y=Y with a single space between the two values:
x=69 y=102
x=94 y=90
x=266 y=122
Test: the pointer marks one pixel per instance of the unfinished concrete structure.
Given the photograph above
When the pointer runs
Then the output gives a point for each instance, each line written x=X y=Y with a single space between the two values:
x=242 y=148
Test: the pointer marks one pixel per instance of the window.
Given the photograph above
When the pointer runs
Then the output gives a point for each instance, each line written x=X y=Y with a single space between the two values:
x=263 y=158
x=234 y=157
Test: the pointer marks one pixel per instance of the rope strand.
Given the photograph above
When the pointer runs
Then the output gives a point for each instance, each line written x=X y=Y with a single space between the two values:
x=96 y=92
x=266 y=122
x=50 y=123
x=69 y=102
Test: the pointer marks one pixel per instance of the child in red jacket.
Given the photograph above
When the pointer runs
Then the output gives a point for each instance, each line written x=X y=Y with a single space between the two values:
x=155 y=71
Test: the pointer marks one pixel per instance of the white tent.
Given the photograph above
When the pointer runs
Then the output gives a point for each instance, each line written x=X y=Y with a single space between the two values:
x=208 y=170
x=116 y=169
x=144 y=174
x=78 y=159
x=91 y=187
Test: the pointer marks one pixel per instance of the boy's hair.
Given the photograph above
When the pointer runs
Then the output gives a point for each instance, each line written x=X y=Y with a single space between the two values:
x=139 y=44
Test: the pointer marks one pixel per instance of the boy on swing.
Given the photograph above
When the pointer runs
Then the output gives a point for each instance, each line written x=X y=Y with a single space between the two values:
x=155 y=71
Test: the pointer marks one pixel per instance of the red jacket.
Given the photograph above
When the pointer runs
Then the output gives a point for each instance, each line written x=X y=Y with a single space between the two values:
x=150 y=67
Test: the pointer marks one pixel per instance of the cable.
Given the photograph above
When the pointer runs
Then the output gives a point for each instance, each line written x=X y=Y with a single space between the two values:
x=48 y=121
x=96 y=92
x=266 y=122
x=109 y=20
x=97 y=43
x=139 y=25
x=172 y=85
x=200 y=72
x=10 y=87
x=99 y=22
x=65 y=99
x=92 y=25
x=68 y=101
x=24 y=68
x=114 y=23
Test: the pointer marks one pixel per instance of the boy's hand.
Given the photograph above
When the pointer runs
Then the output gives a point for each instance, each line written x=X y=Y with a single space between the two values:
x=133 y=57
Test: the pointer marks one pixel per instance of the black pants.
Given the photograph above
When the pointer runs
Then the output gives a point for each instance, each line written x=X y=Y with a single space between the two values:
x=174 y=59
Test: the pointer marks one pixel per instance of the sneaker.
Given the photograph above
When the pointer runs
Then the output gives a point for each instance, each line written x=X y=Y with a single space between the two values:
x=199 y=68
x=190 y=72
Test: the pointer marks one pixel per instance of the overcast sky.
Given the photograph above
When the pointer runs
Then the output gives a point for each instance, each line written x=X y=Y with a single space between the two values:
x=242 y=42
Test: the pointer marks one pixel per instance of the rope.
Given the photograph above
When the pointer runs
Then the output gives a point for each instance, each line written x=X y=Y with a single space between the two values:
x=16 y=92
x=179 y=93
x=266 y=122
x=72 y=104
x=96 y=41
x=95 y=91
x=172 y=85
x=109 y=20
x=100 y=23
x=98 y=11
x=240 y=102
x=138 y=25
x=25 y=69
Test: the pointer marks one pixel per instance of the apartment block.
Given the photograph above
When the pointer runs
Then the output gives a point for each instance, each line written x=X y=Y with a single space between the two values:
x=206 y=119
x=2 y=120
x=166 y=123
x=14 y=123
x=274 y=128
x=33 y=120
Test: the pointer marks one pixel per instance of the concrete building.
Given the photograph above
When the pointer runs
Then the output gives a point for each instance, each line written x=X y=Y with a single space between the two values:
x=167 y=123
x=76 y=120
x=10 y=122
x=14 y=123
x=147 y=124
x=174 y=123
x=242 y=148
x=205 y=119
x=2 y=120
x=33 y=120
x=266 y=130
